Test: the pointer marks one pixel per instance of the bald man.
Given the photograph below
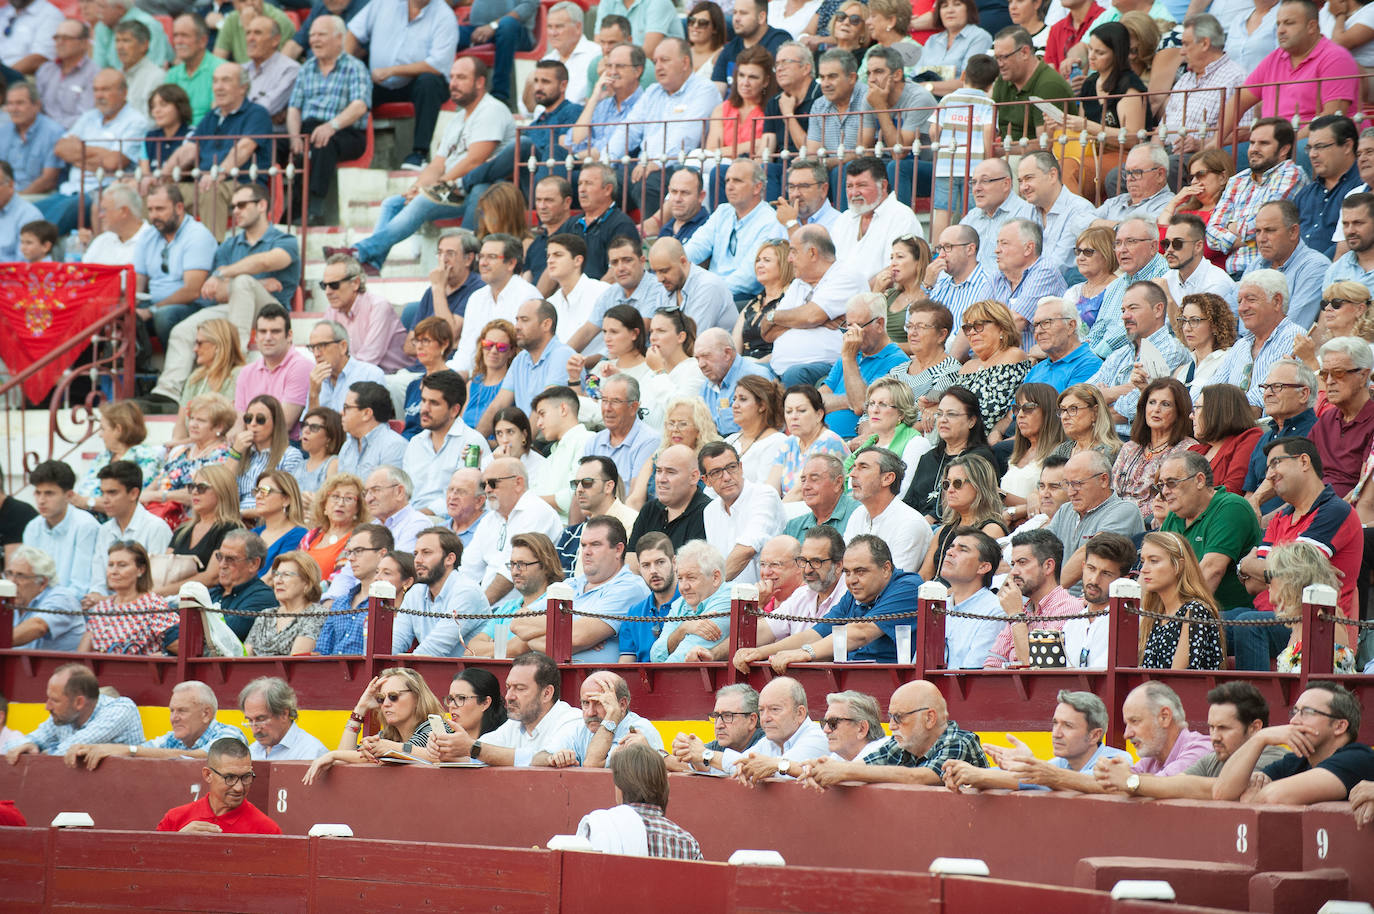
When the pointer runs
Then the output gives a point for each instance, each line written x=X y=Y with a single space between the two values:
x=511 y=509
x=923 y=739
x=700 y=294
x=678 y=505
x=610 y=725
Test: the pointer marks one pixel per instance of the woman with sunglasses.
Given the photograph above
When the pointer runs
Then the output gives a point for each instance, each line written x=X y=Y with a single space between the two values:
x=129 y=577
x=208 y=418
x=280 y=513
x=289 y=629
x=970 y=500
x=1038 y=433
x=1162 y=428
x=214 y=495
x=849 y=30
x=338 y=510
x=998 y=364
x=706 y=34
x=322 y=437
x=803 y=416
x=433 y=340
x=1208 y=172
x=901 y=285
x=1095 y=257
x=1172 y=585
x=218 y=358
x=515 y=438
x=1227 y=433
x=262 y=445
x=1345 y=311
x=686 y=421
x=400 y=703
x=1087 y=423
x=959 y=426
x=495 y=351
x=1289 y=569
x=1207 y=327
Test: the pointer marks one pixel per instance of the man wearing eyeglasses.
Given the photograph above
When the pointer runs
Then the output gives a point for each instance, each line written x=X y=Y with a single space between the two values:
x=511 y=509
x=1220 y=526
x=1343 y=434
x=1092 y=508
x=820 y=563
x=625 y=439
x=347 y=634
x=808 y=198
x=1190 y=272
x=1290 y=392
x=1331 y=143
x=735 y=719
x=1147 y=188
x=1068 y=360
x=1280 y=244
x=866 y=354
x=65 y=82
x=1137 y=253
x=1324 y=765
x=995 y=202
x=595 y=491
x=956 y=278
x=240 y=558
x=1021 y=74
x=375 y=333
x=224 y=809
x=191 y=711
x=335 y=371
x=743 y=516
x=923 y=741
x=387 y=494
x=50 y=619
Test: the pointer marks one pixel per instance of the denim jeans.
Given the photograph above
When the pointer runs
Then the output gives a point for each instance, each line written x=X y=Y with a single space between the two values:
x=811 y=373
x=400 y=220
x=1254 y=647
x=511 y=36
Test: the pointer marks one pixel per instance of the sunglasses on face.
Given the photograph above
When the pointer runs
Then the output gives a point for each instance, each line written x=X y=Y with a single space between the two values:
x=390 y=697
x=1336 y=304
x=331 y=286
x=199 y=488
x=493 y=344
x=256 y=419
x=264 y=491
x=851 y=18
x=1176 y=244
x=955 y=484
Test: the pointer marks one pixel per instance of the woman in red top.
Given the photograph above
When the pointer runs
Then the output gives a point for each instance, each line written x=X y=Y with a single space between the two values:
x=737 y=123
x=337 y=511
x=1208 y=173
x=1227 y=434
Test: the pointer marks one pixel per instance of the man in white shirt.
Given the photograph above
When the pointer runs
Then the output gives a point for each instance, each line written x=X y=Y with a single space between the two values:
x=538 y=720
x=569 y=46
x=790 y=736
x=1190 y=271
x=270 y=711
x=576 y=293
x=875 y=481
x=497 y=263
x=696 y=291
x=121 y=212
x=121 y=484
x=811 y=309
x=555 y=419
x=443 y=442
x=1106 y=557
x=863 y=234
x=512 y=509
x=743 y=516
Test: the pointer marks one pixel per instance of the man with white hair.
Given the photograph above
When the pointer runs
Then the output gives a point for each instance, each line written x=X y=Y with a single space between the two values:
x=625 y=439
x=995 y=201
x=1092 y=508
x=1343 y=433
x=864 y=232
x=387 y=495
x=1158 y=728
x=722 y=366
x=1068 y=360
x=511 y=509
x=1061 y=213
x=34 y=575
x=192 y=711
x=1262 y=302
x=121 y=213
x=1290 y=393
x=1147 y=188
x=786 y=119
x=1024 y=275
x=743 y=516
x=732 y=235
x=809 y=344
x=269 y=711
x=1203 y=43
x=569 y=45
x=1137 y=253
x=701 y=573
x=866 y=354
x=1143 y=313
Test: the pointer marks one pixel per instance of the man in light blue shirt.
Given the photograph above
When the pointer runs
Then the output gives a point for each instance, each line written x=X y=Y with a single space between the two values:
x=269 y=710
x=34 y=574
x=542 y=361
x=626 y=440
x=441 y=447
x=1279 y=241
x=960 y=277
x=1024 y=274
x=597 y=124
x=871 y=356
x=723 y=367
x=968 y=566
x=1068 y=360
x=336 y=371
x=79 y=714
x=1143 y=315
x=438 y=589
x=1357 y=264
x=192 y=710
x=605 y=586
x=367 y=412
x=1268 y=336
x=27 y=141
x=731 y=237
x=1061 y=213
x=410 y=46
x=1137 y=253
x=994 y=204
x=697 y=292
x=15 y=212
x=173 y=261
x=608 y=721
x=701 y=582
x=65 y=533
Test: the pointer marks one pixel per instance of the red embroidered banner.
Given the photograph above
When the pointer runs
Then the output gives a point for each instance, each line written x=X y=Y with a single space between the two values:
x=42 y=305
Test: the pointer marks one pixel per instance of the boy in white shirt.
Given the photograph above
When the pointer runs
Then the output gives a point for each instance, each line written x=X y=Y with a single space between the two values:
x=956 y=156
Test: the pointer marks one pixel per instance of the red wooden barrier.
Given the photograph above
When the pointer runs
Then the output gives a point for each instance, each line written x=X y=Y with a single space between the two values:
x=1329 y=838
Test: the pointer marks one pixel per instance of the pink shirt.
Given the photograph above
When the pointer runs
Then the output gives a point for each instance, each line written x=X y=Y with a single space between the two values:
x=1327 y=60
x=1188 y=748
x=289 y=382
x=1058 y=602
x=375 y=333
x=803 y=602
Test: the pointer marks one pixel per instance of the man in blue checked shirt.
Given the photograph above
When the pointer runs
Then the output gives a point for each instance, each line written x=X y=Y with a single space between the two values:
x=1023 y=275
x=347 y=634
x=79 y=714
x=192 y=711
x=330 y=102
x=608 y=104
x=731 y=237
x=1143 y=314
x=1262 y=298
x=1137 y=253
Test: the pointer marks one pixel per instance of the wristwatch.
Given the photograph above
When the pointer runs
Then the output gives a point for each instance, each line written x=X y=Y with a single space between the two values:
x=707 y=757
x=609 y=725
x=133 y=750
x=476 y=750
x=790 y=224
x=1133 y=782
x=784 y=765
x=810 y=651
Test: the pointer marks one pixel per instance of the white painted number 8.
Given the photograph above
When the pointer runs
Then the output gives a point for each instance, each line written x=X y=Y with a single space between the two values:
x=1323 y=843
x=281 y=800
x=1242 y=841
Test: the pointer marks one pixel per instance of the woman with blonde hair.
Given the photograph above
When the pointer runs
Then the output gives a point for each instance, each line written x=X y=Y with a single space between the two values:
x=122 y=430
x=1087 y=423
x=970 y=500
x=280 y=512
x=290 y=628
x=1290 y=569
x=214 y=496
x=848 y=31
x=890 y=421
x=997 y=365
x=1343 y=311
x=337 y=510
x=1095 y=257
x=218 y=359
x=262 y=445
x=1038 y=433
x=501 y=209
x=774 y=273
x=1173 y=586
x=687 y=421
x=208 y=418
x=1207 y=327
x=400 y=703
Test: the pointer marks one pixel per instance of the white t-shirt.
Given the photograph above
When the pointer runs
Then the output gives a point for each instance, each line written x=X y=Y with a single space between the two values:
x=1085 y=642
x=759 y=457
x=107 y=249
x=801 y=346
x=872 y=253
x=576 y=309
x=489 y=121
x=481 y=310
x=954 y=115
x=754 y=519
x=795 y=24
x=901 y=526
x=1364 y=15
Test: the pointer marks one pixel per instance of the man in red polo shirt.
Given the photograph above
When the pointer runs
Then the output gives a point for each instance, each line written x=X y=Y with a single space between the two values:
x=224 y=809
x=1312 y=513
x=1071 y=30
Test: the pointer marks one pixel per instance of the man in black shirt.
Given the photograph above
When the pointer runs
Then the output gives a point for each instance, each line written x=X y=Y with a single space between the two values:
x=750 y=20
x=240 y=556
x=787 y=112
x=553 y=204
x=14 y=517
x=678 y=508
x=602 y=218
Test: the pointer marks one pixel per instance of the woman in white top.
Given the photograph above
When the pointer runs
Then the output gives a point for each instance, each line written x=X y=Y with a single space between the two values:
x=1353 y=29
x=757 y=410
x=672 y=339
x=1038 y=433
x=795 y=17
x=1252 y=37
x=627 y=345
x=1208 y=328
x=514 y=439
x=706 y=34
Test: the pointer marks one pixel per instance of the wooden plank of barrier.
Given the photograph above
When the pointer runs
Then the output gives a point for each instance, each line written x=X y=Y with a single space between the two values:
x=593 y=883
x=760 y=889
x=1329 y=838
x=23 y=868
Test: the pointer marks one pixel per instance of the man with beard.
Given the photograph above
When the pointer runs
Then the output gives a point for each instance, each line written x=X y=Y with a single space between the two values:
x=1031 y=589
x=808 y=197
x=1272 y=175
x=537 y=718
x=863 y=234
x=1357 y=219
x=433 y=456
x=658 y=569
x=1190 y=272
x=1106 y=557
x=438 y=588
x=696 y=291
x=77 y=714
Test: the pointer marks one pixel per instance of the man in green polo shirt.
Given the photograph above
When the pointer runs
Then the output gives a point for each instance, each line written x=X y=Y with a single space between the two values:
x=195 y=68
x=1021 y=75
x=1220 y=526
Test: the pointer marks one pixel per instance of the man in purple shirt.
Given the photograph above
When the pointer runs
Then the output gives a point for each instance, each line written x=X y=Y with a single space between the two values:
x=1157 y=726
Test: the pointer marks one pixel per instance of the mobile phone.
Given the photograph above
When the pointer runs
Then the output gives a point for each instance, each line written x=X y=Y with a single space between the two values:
x=437 y=724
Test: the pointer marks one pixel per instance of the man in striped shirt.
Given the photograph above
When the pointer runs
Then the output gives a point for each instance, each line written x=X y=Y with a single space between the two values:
x=639 y=826
x=1024 y=276
x=1272 y=175
x=1137 y=252
x=1262 y=299
x=956 y=278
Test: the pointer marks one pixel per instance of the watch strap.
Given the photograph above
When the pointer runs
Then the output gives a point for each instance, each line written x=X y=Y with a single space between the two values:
x=476 y=750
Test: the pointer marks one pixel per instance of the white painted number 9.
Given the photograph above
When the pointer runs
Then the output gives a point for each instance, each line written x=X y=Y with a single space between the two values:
x=1242 y=838
x=1323 y=843
x=281 y=800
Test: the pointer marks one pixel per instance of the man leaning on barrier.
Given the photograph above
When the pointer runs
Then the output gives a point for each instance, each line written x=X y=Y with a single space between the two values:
x=269 y=712
x=609 y=725
x=79 y=714
x=790 y=736
x=194 y=728
x=736 y=722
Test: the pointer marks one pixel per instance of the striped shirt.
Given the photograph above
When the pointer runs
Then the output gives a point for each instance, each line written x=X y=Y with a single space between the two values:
x=957 y=296
x=1198 y=112
x=1058 y=602
x=987 y=225
x=1248 y=371
x=1039 y=280
x=833 y=130
x=1117 y=367
x=291 y=461
x=1240 y=203
x=1109 y=333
